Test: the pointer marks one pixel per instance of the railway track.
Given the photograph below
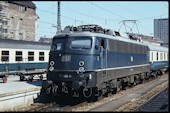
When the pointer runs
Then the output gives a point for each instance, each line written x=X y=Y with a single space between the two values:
x=84 y=105
x=155 y=103
x=142 y=103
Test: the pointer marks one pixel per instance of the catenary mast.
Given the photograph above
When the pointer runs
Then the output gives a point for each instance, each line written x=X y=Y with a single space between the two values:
x=58 y=19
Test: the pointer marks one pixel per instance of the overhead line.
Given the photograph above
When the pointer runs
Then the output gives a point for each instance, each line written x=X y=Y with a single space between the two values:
x=107 y=10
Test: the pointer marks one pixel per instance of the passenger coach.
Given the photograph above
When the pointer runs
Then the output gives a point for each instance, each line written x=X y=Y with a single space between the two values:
x=17 y=56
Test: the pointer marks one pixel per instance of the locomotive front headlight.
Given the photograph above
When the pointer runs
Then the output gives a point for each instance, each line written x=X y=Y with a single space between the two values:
x=51 y=63
x=81 y=63
x=81 y=69
x=51 y=68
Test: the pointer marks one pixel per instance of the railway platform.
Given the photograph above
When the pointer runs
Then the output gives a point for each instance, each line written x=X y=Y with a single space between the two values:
x=16 y=94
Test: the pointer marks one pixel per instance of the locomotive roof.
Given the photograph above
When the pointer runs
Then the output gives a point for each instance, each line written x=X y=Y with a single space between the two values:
x=91 y=34
x=125 y=39
x=21 y=44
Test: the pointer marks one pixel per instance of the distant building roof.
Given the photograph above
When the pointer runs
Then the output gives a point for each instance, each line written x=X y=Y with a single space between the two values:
x=29 y=4
x=45 y=40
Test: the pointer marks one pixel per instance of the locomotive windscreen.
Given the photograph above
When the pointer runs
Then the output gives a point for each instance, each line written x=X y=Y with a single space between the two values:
x=80 y=43
x=71 y=43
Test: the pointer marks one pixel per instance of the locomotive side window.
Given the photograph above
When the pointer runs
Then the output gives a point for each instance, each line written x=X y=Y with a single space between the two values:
x=30 y=56
x=97 y=44
x=18 y=56
x=57 y=44
x=41 y=56
x=102 y=43
x=5 y=56
x=81 y=43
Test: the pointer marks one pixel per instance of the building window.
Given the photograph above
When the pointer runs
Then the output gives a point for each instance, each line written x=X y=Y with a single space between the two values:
x=12 y=35
x=0 y=29
x=30 y=56
x=5 y=30
x=4 y=22
x=21 y=8
x=41 y=56
x=18 y=56
x=12 y=21
x=5 y=56
x=20 y=36
x=20 y=23
x=25 y=8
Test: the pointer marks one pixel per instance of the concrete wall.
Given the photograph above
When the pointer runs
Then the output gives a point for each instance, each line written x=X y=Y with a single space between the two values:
x=14 y=102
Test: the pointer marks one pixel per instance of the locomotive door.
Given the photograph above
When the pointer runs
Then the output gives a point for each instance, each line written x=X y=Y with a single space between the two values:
x=103 y=54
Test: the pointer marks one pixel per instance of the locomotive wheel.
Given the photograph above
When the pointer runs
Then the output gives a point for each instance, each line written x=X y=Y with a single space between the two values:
x=4 y=79
x=114 y=90
x=123 y=84
x=131 y=84
x=87 y=92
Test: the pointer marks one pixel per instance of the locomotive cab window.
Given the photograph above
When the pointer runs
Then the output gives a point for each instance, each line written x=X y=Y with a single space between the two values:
x=81 y=43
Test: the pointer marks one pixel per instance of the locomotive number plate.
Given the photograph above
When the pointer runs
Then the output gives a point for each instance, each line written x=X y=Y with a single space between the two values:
x=66 y=58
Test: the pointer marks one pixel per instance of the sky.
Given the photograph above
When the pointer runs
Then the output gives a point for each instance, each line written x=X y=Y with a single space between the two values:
x=108 y=14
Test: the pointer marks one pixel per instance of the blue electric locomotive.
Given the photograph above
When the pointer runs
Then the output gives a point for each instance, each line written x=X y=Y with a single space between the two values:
x=90 y=61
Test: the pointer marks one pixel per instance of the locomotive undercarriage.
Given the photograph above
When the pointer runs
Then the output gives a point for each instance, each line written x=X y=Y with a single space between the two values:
x=80 y=89
x=85 y=85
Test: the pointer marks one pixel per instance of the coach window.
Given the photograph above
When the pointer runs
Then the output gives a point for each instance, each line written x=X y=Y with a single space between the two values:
x=5 y=56
x=157 y=55
x=152 y=56
x=18 y=56
x=161 y=56
x=30 y=56
x=168 y=56
x=41 y=56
